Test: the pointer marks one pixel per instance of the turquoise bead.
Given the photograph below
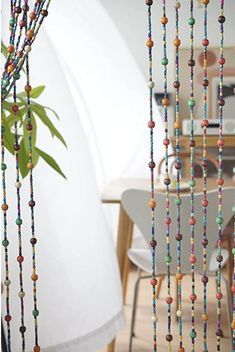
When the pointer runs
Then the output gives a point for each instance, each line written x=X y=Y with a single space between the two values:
x=192 y=183
x=19 y=221
x=233 y=251
x=164 y=61
x=16 y=75
x=178 y=201
x=5 y=242
x=191 y=103
x=191 y=21
x=219 y=220
x=4 y=91
x=5 y=82
x=12 y=22
x=168 y=259
x=3 y=167
x=35 y=313
x=193 y=334
x=233 y=209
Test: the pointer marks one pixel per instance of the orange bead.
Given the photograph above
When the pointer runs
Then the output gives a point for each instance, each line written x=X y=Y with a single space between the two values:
x=177 y=42
x=34 y=277
x=204 y=317
x=10 y=68
x=181 y=349
x=179 y=276
x=233 y=325
x=30 y=166
x=177 y=124
x=4 y=207
x=32 y=15
x=11 y=49
x=149 y=43
x=36 y=349
x=205 y=2
x=152 y=203
x=30 y=34
x=164 y=20
x=165 y=102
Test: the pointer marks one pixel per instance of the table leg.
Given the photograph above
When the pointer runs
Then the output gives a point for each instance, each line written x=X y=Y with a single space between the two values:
x=124 y=239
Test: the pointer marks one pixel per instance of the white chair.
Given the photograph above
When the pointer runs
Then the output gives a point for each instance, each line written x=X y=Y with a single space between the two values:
x=135 y=203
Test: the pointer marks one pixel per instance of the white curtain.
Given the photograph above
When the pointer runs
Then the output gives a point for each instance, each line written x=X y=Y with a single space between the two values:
x=93 y=83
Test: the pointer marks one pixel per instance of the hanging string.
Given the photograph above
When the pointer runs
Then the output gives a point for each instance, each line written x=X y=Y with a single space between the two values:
x=20 y=258
x=233 y=285
x=178 y=237
x=220 y=144
x=205 y=123
x=167 y=180
x=192 y=183
x=152 y=202
x=33 y=239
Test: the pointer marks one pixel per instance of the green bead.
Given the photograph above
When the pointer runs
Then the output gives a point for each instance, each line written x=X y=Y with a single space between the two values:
x=191 y=21
x=233 y=251
x=35 y=313
x=3 y=167
x=192 y=183
x=5 y=82
x=168 y=259
x=16 y=75
x=193 y=334
x=219 y=220
x=233 y=209
x=164 y=61
x=191 y=103
x=19 y=221
x=4 y=91
x=178 y=201
x=7 y=282
x=5 y=242
x=12 y=22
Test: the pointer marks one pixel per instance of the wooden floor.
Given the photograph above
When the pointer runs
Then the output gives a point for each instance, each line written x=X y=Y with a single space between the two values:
x=142 y=341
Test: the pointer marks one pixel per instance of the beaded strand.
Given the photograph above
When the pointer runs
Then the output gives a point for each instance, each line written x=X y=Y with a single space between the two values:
x=20 y=258
x=220 y=144
x=152 y=202
x=167 y=181
x=192 y=220
x=233 y=285
x=178 y=237
x=33 y=239
x=205 y=122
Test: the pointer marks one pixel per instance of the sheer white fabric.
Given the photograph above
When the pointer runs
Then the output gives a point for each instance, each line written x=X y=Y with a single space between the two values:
x=93 y=83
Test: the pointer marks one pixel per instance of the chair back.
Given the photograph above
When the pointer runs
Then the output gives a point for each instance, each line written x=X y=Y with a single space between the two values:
x=135 y=203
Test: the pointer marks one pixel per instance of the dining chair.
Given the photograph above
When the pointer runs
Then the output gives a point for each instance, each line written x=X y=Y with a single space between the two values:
x=135 y=203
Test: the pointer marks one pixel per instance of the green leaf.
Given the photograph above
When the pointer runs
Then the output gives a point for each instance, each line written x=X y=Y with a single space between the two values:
x=3 y=49
x=23 y=160
x=50 y=161
x=9 y=138
x=41 y=113
x=54 y=112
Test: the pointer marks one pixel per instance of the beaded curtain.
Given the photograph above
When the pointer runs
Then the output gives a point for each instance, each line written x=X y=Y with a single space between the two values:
x=24 y=25
x=192 y=182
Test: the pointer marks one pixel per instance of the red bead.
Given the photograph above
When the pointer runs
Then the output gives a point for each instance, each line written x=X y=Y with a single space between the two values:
x=205 y=42
x=220 y=181
x=191 y=62
x=193 y=297
x=8 y=318
x=192 y=221
x=205 y=83
x=151 y=164
x=33 y=240
x=204 y=202
x=178 y=237
x=153 y=282
x=178 y=165
x=222 y=61
x=169 y=300
x=205 y=123
x=221 y=102
x=17 y=9
x=192 y=259
x=20 y=259
x=204 y=242
x=151 y=124
x=44 y=13
x=31 y=203
x=22 y=23
x=220 y=142
x=153 y=243
x=219 y=295
x=166 y=141
x=15 y=108
x=168 y=221
x=233 y=289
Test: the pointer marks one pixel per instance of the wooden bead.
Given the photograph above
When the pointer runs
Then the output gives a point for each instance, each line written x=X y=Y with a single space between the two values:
x=10 y=68
x=149 y=43
x=152 y=203
x=233 y=325
x=179 y=276
x=4 y=207
x=34 y=277
x=205 y=2
x=28 y=88
x=30 y=166
x=20 y=53
x=204 y=317
x=177 y=42
x=177 y=124
x=36 y=349
x=32 y=15
x=11 y=49
x=164 y=20
x=30 y=34
x=165 y=102
x=181 y=349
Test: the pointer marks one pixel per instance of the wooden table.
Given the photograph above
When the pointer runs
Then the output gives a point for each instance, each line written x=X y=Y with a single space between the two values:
x=112 y=195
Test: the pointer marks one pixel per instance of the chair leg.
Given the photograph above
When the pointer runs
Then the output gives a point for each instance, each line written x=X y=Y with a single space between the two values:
x=111 y=346
x=159 y=285
x=229 y=307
